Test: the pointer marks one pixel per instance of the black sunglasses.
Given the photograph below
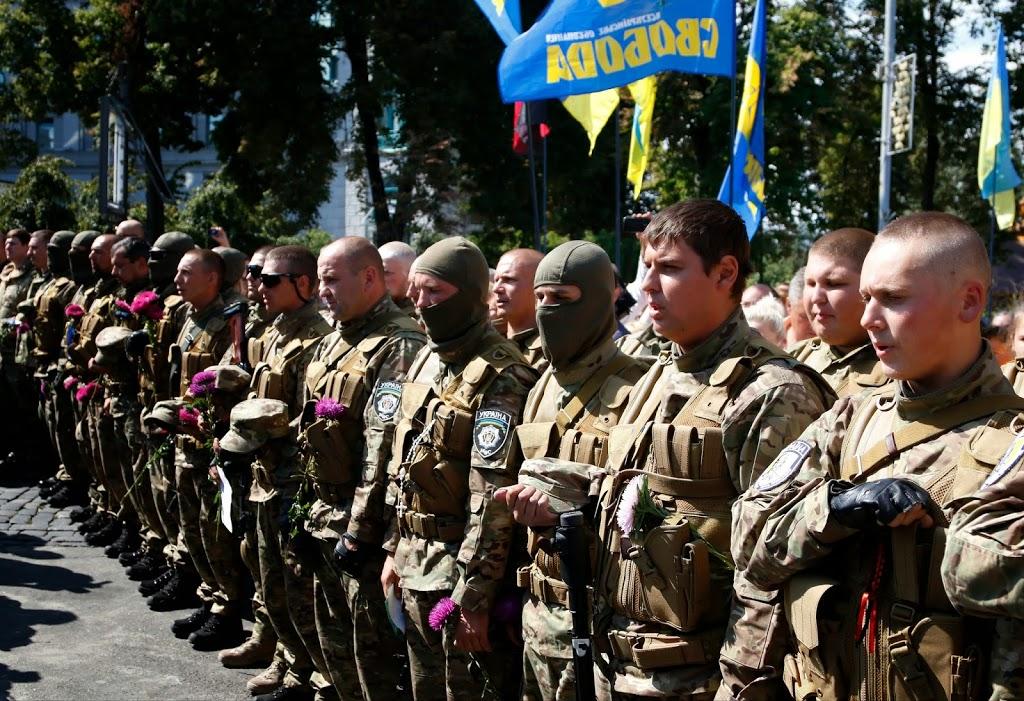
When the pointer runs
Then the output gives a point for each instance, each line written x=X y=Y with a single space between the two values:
x=273 y=280
x=155 y=254
x=254 y=271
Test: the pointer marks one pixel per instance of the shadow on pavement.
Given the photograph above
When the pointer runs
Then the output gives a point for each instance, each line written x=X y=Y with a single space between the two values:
x=18 y=628
x=26 y=546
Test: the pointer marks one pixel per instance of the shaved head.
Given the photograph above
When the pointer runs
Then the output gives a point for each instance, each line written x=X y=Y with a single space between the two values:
x=355 y=252
x=132 y=228
x=397 y=250
x=848 y=244
x=513 y=288
x=946 y=245
x=351 y=278
x=398 y=258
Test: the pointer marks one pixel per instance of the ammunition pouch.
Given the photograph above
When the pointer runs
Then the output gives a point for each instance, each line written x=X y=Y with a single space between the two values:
x=446 y=529
x=650 y=651
x=545 y=589
x=271 y=379
x=328 y=447
x=254 y=350
x=192 y=363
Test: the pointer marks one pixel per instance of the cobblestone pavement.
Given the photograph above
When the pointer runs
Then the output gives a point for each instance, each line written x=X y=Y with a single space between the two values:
x=23 y=512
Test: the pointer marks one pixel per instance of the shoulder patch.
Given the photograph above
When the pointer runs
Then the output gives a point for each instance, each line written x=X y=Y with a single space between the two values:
x=784 y=466
x=1010 y=458
x=386 y=399
x=490 y=432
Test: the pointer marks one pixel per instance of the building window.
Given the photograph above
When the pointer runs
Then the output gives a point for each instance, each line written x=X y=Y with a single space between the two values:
x=46 y=135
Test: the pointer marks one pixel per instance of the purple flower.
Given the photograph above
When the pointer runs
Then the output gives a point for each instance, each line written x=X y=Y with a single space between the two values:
x=188 y=417
x=329 y=409
x=74 y=311
x=626 y=514
x=69 y=382
x=202 y=383
x=86 y=391
x=442 y=610
x=123 y=306
x=147 y=303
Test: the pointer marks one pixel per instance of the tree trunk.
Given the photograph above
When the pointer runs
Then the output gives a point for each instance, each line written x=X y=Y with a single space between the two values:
x=354 y=36
x=929 y=98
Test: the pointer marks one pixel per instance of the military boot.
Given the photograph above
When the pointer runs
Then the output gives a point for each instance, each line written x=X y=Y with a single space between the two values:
x=81 y=514
x=184 y=627
x=254 y=652
x=218 y=632
x=47 y=488
x=48 y=482
x=97 y=521
x=152 y=586
x=288 y=693
x=105 y=535
x=130 y=557
x=65 y=496
x=151 y=566
x=271 y=678
x=125 y=542
x=178 y=593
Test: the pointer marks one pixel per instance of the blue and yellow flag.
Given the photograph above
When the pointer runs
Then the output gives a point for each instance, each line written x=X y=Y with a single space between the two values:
x=592 y=111
x=504 y=17
x=643 y=92
x=743 y=186
x=996 y=176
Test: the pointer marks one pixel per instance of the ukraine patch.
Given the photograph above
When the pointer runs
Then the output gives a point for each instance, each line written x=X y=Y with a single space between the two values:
x=490 y=432
x=1010 y=458
x=386 y=399
x=784 y=465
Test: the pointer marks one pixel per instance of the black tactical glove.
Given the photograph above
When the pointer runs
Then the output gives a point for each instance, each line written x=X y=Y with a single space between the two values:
x=136 y=343
x=349 y=561
x=304 y=547
x=875 y=503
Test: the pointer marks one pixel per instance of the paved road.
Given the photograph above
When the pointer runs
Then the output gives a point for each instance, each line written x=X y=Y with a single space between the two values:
x=72 y=626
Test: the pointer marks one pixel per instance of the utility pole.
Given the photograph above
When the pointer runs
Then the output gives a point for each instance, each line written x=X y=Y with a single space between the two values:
x=885 y=157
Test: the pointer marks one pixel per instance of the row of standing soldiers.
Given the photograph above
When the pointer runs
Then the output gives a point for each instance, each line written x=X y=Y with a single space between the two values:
x=386 y=487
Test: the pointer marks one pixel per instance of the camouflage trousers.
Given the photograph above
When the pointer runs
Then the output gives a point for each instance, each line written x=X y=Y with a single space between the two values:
x=548 y=673
x=287 y=595
x=363 y=653
x=163 y=485
x=65 y=420
x=262 y=628
x=433 y=657
x=203 y=538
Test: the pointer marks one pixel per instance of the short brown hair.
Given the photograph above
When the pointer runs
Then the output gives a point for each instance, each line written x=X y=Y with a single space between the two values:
x=849 y=243
x=948 y=241
x=298 y=260
x=211 y=262
x=710 y=228
x=20 y=234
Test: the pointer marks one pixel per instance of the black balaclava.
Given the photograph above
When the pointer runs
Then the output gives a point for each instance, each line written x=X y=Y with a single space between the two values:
x=78 y=258
x=170 y=248
x=58 y=249
x=460 y=262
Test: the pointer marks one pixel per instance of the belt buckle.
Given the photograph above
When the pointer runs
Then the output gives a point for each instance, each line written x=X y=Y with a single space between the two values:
x=902 y=613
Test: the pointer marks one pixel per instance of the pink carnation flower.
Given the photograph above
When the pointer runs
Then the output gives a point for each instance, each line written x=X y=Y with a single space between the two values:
x=70 y=382
x=86 y=391
x=442 y=610
x=187 y=416
x=74 y=311
x=148 y=304
x=329 y=409
x=123 y=306
x=202 y=383
x=627 y=505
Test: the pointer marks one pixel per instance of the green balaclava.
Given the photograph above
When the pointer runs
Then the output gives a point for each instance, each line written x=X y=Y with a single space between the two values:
x=81 y=270
x=460 y=262
x=234 y=265
x=571 y=330
x=166 y=253
x=58 y=249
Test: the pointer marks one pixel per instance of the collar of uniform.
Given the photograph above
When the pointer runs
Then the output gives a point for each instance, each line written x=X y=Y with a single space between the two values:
x=289 y=323
x=105 y=286
x=201 y=316
x=523 y=339
x=168 y=290
x=583 y=368
x=354 y=330
x=459 y=351
x=983 y=377
x=128 y=292
x=733 y=330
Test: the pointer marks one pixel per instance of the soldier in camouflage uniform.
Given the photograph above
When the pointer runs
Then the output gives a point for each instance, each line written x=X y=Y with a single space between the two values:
x=568 y=416
x=288 y=284
x=644 y=343
x=348 y=425
x=398 y=258
x=513 y=297
x=15 y=279
x=983 y=571
x=460 y=403
x=840 y=351
x=849 y=518
x=234 y=270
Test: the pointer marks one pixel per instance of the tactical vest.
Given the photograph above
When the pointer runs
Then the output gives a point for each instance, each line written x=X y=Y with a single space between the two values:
x=576 y=435
x=195 y=354
x=855 y=381
x=96 y=317
x=891 y=616
x=155 y=366
x=434 y=442
x=673 y=576
x=1014 y=372
x=334 y=447
x=47 y=327
x=271 y=378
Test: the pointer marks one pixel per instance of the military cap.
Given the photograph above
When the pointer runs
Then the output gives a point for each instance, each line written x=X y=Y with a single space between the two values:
x=230 y=379
x=567 y=485
x=234 y=264
x=62 y=240
x=176 y=242
x=110 y=348
x=164 y=415
x=84 y=239
x=253 y=423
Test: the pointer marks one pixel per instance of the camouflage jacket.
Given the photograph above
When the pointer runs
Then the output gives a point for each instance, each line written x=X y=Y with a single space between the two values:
x=26 y=317
x=528 y=343
x=474 y=453
x=49 y=320
x=778 y=400
x=98 y=315
x=643 y=343
x=288 y=346
x=1014 y=372
x=14 y=287
x=848 y=371
x=362 y=366
x=785 y=522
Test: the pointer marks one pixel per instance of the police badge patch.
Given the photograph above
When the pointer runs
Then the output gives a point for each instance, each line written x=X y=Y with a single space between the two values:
x=1010 y=458
x=490 y=432
x=784 y=466
x=386 y=399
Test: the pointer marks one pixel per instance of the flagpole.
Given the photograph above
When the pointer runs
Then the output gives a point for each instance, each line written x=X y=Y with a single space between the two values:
x=618 y=191
x=544 y=195
x=533 y=177
x=732 y=107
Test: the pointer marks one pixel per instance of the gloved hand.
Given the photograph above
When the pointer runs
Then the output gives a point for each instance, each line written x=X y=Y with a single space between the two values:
x=304 y=547
x=874 y=504
x=348 y=560
x=136 y=343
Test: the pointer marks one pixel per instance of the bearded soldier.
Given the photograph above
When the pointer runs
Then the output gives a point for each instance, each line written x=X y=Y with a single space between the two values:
x=450 y=541
x=840 y=351
x=568 y=417
x=849 y=520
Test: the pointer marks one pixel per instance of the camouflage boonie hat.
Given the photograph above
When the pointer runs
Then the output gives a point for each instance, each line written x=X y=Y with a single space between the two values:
x=253 y=423
x=110 y=348
x=566 y=484
x=164 y=416
x=230 y=379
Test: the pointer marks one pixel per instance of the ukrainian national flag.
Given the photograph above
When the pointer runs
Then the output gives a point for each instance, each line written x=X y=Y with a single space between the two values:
x=743 y=186
x=643 y=92
x=996 y=176
x=504 y=17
